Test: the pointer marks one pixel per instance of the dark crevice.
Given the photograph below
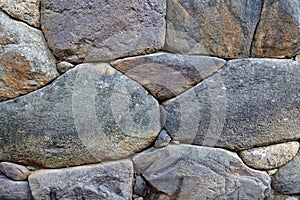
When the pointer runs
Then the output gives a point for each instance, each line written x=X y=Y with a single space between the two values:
x=255 y=30
x=166 y=24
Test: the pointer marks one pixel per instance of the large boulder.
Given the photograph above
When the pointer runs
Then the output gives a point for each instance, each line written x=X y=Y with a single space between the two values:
x=278 y=32
x=248 y=103
x=191 y=172
x=84 y=31
x=26 y=63
x=216 y=27
x=112 y=181
x=167 y=75
x=89 y=114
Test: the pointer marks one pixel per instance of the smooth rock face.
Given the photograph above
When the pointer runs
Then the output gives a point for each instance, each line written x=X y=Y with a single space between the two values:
x=14 y=190
x=167 y=75
x=278 y=32
x=26 y=63
x=248 y=103
x=216 y=27
x=14 y=171
x=191 y=172
x=112 y=181
x=84 y=31
x=26 y=10
x=270 y=157
x=287 y=178
x=88 y=114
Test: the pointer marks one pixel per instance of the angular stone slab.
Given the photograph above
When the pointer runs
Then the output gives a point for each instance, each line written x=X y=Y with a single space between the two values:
x=14 y=171
x=278 y=32
x=270 y=157
x=89 y=114
x=287 y=178
x=191 y=172
x=12 y=190
x=84 y=31
x=220 y=28
x=26 y=10
x=167 y=75
x=26 y=63
x=248 y=103
x=105 y=181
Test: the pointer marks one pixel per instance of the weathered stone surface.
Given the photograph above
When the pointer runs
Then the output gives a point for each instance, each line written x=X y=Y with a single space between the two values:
x=270 y=157
x=112 y=181
x=88 y=114
x=140 y=186
x=277 y=196
x=62 y=67
x=167 y=75
x=26 y=63
x=248 y=103
x=163 y=139
x=287 y=178
x=12 y=190
x=14 y=171
x=191 y=172
x=278 y=32
x=217 y=27
x=26 y=10
x=84 y=31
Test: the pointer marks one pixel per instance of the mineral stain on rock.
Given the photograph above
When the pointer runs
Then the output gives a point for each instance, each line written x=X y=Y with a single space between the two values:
x=219 y=28
x=26 y=63
x=278 y=34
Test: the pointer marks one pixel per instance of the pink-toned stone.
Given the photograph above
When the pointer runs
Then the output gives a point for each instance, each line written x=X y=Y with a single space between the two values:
x=167 y=75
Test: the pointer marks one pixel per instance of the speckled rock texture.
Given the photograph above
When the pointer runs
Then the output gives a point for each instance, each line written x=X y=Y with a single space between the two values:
x=87 y=115
x=270 y=157
x=248 y=103
x=25 y=10
x=149 y=99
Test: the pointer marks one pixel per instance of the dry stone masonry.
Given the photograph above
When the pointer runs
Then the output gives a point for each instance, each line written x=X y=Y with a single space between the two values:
x=149 y=99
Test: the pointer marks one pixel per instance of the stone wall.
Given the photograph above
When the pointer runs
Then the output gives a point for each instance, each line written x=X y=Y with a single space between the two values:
x=149 y=99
